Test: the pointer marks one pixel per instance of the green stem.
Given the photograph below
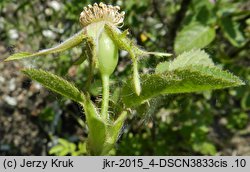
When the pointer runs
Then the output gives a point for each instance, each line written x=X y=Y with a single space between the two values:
x=90 y=75
x=105 y=97
x=136 y=77
x=90 y=52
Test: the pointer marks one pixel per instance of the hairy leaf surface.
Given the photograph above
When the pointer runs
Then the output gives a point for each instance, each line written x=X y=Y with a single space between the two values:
x=193 y=57
x=55 y=83
x=189 y=79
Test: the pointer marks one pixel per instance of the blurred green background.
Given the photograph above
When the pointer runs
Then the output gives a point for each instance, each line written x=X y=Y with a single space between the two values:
x=35 y=121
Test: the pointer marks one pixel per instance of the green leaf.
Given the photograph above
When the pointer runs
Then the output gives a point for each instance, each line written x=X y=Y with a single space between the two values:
x=55 y=83
x=162 y=67
x=64 y=147
x=193 y=36
x=56 y=149
x=232 y=32
x=113 y=131
x=191 y=78
x=69 y=43
x=206 y=148
x=102 y=134
x=193 y=57
x=245 y=101
x=97 y=129
x=116 y=127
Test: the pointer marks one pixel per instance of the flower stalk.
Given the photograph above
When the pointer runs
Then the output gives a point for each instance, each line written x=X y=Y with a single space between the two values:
x=105 y=97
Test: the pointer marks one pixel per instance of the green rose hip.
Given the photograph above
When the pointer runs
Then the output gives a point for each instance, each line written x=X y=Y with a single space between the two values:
x=107 y=54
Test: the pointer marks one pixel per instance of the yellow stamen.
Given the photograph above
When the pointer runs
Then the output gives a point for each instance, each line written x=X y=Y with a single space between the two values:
x=102 y=12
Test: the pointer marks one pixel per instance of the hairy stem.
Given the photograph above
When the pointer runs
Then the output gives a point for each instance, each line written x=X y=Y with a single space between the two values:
x=105 y=97
x=90 y=77
x=136 y=77
x=90 y=51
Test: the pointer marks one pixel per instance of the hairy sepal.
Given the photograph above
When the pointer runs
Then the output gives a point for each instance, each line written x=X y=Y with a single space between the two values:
x=69 y=43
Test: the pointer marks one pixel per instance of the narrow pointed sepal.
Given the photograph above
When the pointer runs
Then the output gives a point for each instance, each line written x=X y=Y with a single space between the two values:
x=69 y=43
